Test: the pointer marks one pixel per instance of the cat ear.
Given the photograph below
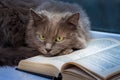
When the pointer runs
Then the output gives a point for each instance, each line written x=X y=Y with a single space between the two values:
x=74 y=19
x=36 y=17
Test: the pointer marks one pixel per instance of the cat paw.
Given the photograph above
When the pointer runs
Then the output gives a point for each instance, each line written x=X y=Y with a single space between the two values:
x=67 y=51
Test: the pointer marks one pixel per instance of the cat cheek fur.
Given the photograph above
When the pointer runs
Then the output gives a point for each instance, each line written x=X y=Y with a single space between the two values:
x=78 y=42
x=42 y=50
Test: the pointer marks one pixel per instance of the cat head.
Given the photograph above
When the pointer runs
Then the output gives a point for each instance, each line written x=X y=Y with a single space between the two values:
x=51 y=33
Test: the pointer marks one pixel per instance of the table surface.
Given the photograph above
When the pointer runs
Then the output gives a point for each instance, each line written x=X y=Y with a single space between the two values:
x=10 y=73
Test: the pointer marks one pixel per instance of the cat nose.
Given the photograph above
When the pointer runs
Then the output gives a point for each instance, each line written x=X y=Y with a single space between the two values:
x=48 y=50
x=48 y=47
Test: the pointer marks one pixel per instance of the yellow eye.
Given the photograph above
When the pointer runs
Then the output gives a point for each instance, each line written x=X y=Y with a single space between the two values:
x=60 y=38
x=42 y=37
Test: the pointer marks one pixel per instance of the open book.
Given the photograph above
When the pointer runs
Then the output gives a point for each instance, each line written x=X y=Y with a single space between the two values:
x=99 y=61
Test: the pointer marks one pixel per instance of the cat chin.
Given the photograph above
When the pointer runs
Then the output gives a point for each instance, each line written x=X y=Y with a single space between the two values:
x=49 y=55
x=52 y=54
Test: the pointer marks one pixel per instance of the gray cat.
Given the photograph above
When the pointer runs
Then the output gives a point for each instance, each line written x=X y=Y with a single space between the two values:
x=50 y=28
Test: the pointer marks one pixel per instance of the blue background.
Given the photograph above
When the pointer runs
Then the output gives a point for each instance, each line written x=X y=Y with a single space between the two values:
x=104 y=14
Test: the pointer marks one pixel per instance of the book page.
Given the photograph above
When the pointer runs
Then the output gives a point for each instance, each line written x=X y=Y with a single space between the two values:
x=104 y=63
x=93 y=47
x=77 y=73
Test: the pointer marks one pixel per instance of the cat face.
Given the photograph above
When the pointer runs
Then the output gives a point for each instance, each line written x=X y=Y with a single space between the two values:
x=52 y=34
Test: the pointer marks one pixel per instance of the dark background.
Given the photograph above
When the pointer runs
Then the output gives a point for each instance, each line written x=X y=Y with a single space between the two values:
x=104 y=14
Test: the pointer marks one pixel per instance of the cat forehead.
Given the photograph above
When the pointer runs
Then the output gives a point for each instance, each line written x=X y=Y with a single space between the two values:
x=55 y=23
x=54 y=17
x=53 y=29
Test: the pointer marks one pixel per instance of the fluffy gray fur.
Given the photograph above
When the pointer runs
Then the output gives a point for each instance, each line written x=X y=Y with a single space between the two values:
x=20 y=29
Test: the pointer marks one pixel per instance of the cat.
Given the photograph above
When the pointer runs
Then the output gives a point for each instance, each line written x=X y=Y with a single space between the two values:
x=33 y=27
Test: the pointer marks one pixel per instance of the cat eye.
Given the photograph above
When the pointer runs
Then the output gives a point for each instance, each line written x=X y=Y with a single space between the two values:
x=42 y=37
x=60 y=38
